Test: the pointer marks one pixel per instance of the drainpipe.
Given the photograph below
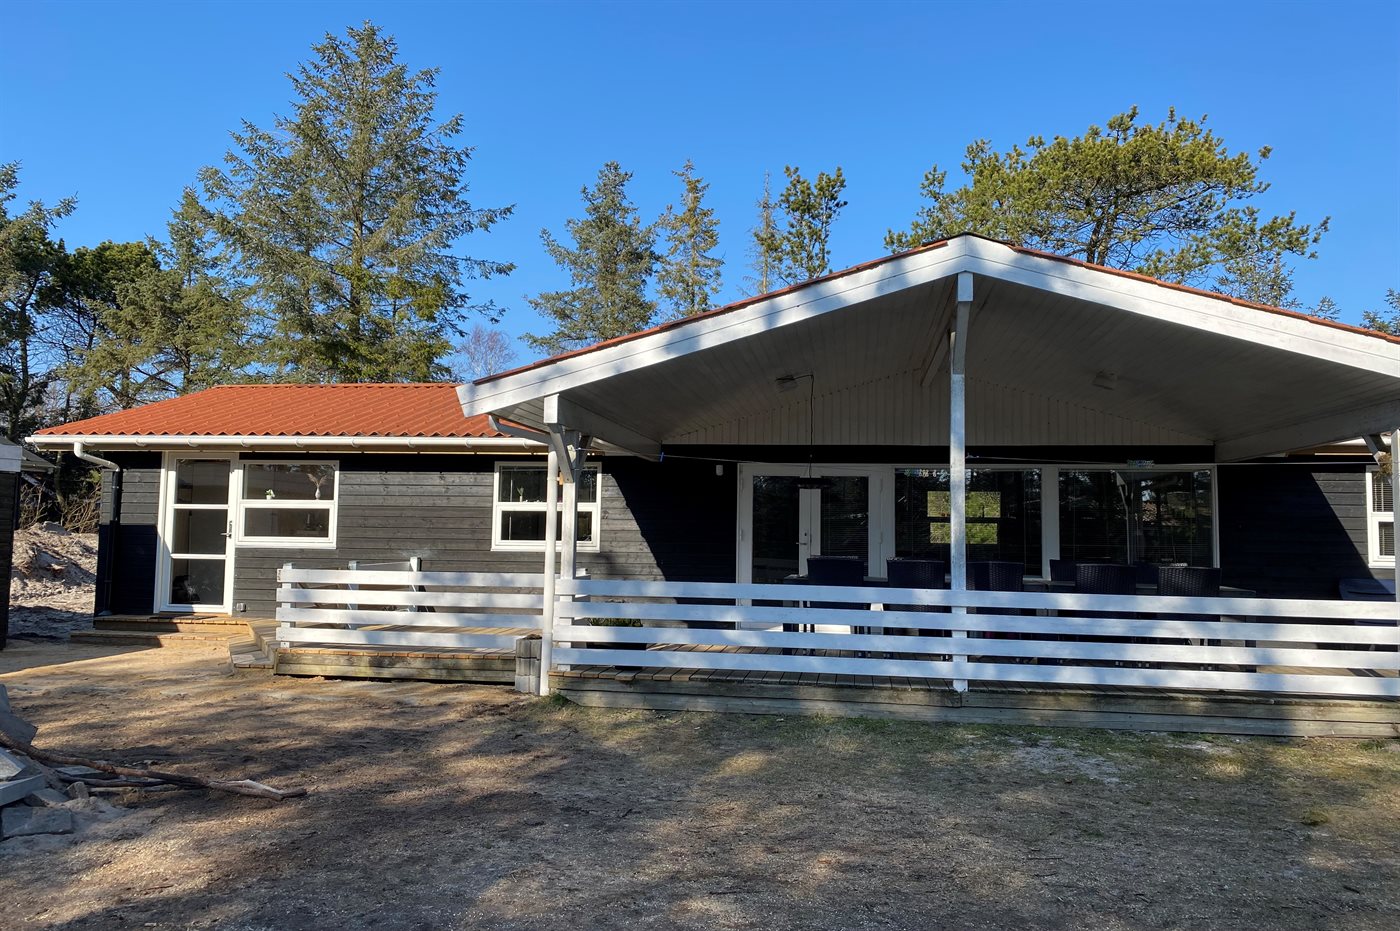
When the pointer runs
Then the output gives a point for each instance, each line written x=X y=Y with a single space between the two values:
x=102 y=603
x=98 y=461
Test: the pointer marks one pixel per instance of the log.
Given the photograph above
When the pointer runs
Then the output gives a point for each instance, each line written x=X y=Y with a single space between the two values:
x=236 y=787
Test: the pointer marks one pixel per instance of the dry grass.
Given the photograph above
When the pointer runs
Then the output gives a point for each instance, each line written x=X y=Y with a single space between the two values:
x=438 y=806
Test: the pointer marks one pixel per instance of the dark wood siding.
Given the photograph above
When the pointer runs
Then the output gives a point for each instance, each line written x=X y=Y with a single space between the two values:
x=126 y=562
x=9 y=513
x=659 y=520
x=1292 y=530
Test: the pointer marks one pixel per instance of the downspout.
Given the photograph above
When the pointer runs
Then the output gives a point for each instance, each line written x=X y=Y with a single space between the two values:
x=102 y=602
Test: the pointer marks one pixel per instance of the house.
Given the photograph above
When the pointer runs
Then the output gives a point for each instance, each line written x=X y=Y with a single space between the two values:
x=964 y=402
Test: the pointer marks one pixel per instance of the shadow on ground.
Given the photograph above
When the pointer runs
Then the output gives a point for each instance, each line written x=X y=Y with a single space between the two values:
x=444 y=806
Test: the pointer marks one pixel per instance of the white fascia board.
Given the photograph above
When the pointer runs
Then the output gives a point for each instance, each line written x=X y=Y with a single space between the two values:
x=1319 y=431
x=890 y=277
x=1183 y=308
x=351 y=443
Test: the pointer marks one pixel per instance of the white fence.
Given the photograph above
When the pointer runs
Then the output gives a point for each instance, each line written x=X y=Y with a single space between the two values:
x=411 y=610
x=1337 y=648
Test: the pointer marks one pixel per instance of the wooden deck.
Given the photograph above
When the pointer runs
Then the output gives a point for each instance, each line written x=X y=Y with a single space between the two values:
x=935 y=700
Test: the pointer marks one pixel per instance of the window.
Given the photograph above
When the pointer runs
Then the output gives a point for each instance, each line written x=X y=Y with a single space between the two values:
x=1380 y=519
x=1003 y=515
x=1121 y=516
x=517 y=518
x=288 y=504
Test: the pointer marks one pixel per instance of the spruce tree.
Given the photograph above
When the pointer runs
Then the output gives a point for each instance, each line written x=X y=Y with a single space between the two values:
x=345 y=217
x=689 y=275
x=610 y=264
x=800 y=248
x=763 y=247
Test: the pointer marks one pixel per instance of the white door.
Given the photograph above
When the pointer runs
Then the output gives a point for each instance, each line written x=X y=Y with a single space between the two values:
x=196 y=534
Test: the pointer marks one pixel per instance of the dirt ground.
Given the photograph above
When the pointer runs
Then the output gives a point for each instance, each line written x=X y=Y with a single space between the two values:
x=447 y=806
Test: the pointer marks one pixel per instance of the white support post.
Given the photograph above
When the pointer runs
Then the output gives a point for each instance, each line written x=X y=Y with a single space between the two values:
x=957 y=470
x=551 y=539
x=1395 y=508
x=1050 y=518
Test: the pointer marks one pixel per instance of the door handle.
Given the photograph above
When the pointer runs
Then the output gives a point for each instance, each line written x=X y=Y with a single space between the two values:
x=229 y=531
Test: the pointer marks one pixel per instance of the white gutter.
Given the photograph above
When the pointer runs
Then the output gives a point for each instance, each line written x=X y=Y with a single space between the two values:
x=156 y=441
x=98 y=461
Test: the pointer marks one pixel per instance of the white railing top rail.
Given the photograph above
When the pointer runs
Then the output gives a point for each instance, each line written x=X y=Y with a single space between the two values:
x=296 y=576
x=1063 y=601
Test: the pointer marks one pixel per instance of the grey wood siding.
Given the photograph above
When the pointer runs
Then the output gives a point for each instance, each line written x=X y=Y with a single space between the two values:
x=126 y=569
x=658 y=520
x=1293 y=530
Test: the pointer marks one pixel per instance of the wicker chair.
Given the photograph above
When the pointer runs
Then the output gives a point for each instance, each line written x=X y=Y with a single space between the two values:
x=996 y=576
x=833 y=570
x=1147 y=571
x=916 y=573
x=1189 y=582
x=1105 y=579
x=1062 y=570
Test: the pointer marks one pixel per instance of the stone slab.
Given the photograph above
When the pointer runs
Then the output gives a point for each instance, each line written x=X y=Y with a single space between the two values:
x=15 y=790
x=20 y=821
x=13 y=766
x=16 y=728
x=46 y=798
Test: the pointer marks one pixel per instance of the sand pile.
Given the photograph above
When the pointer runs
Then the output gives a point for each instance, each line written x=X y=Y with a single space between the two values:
x=51 y=582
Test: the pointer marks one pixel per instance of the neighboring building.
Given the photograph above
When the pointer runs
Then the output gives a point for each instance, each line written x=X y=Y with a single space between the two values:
x=16 y=464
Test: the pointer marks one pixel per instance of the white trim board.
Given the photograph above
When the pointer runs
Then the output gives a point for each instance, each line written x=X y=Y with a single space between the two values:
x=962 y=254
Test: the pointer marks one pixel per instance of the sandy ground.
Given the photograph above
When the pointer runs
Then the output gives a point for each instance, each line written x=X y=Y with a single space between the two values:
x=51 y=582
x=446 y=806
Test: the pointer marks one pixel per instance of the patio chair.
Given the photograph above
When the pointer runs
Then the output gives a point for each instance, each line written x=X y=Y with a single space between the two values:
x=1062 y=570
x=831 y=570
x=916 y=573
x=996 y=576
x=1147 y=572
x=1189 y=582
x=1105 y=579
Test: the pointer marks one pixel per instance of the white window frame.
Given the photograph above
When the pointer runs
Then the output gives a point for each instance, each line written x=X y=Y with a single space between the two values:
x=331 y=506
x=1374 y=519
x=499 y=507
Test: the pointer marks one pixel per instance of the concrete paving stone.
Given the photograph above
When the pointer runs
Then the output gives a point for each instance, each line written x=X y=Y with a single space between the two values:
x=16 y=728
x=22 y=821
x=14 y=790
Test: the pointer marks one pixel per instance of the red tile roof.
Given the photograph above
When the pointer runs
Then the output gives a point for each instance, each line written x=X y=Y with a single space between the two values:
x=421 y=410
x=728 y=308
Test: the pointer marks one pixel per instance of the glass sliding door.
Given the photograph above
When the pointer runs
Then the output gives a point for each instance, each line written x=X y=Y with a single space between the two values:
x=779 y=550
x=785 y=517
x=1120 y=516
x=195 y=535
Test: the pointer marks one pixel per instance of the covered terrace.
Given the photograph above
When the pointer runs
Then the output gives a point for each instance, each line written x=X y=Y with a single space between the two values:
x=928 y=380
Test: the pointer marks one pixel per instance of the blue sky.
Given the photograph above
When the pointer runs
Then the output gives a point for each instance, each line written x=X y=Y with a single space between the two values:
x=121 y=103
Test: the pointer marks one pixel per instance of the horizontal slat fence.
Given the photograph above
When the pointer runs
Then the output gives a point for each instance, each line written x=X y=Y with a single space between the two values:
x=1337 y=648
x=407 y=609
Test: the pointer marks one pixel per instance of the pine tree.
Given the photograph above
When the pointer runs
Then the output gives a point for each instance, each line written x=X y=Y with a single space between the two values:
x=30 y=261
x=799 y=249
x=165 y=320
x=610 y=264
x=689 y=276
x=344 y=219
x=1167 y=200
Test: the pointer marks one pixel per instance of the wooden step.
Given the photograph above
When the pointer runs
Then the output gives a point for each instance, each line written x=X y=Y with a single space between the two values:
x=172 y=623
x=143 y=638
